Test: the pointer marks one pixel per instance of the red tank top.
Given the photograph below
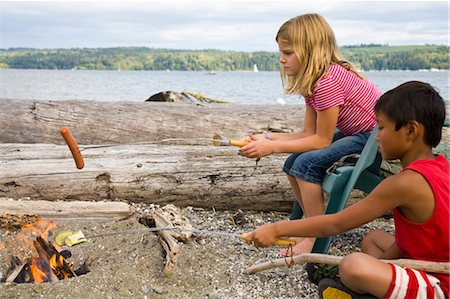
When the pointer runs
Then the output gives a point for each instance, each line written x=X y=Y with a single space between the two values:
x=429 y=240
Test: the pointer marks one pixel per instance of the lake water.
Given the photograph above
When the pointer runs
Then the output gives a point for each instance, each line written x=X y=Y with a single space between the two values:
x=239 y=87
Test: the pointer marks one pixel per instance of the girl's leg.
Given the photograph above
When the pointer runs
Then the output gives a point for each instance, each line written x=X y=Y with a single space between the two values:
x=312 y=195
x=296 y=190
x=312 y=205
x=294 y=185
x=365 y=274
x=311 y=200
x=309 y=169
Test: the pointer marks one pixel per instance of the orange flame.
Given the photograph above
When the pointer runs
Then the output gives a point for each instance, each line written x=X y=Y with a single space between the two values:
x=42 y=267
x=37 y=273
x=57 y=263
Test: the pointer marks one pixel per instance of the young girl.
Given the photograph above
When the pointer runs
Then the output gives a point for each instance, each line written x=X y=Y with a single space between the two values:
x=410 y=119
x=336 y=96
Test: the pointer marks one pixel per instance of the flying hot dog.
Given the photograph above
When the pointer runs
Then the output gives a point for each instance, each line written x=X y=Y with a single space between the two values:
x=73 y=145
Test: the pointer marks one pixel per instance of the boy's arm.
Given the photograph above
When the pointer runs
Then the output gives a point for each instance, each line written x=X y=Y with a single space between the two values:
x=389 y=194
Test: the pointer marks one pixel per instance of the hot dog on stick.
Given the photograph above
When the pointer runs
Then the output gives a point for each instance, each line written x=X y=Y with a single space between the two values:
x=73 y=145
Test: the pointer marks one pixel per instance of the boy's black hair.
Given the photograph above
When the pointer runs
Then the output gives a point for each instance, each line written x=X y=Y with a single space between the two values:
x=417 y=101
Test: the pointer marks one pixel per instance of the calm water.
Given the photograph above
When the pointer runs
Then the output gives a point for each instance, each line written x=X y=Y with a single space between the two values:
x=239 y=87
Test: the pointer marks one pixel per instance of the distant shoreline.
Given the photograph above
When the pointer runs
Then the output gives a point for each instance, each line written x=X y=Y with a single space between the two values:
x=200 y=71
x=364 y=57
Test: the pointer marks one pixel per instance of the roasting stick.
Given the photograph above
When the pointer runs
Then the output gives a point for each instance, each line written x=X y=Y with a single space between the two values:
x=279 y=242
x=427 y=266
x=79 y=161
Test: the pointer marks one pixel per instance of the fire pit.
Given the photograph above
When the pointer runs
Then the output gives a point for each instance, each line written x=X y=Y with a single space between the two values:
x=47 y=263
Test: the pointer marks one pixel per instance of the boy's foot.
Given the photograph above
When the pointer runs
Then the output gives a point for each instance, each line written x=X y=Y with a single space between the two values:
x=317 y=272
x=332 y=289
x=303 y=245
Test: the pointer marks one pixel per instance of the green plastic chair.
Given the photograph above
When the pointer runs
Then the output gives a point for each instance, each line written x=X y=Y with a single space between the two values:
x=365 y=175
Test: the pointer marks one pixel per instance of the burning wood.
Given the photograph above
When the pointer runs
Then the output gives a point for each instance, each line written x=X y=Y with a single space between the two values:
x=47 y=263
x=49 y=266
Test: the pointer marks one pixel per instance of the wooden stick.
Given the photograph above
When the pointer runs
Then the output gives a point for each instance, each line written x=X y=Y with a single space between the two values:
x=11 y=277
x=433 y=267
x=168 y=242
x=67 y=210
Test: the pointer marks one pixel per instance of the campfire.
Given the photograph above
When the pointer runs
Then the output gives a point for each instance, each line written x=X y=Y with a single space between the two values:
x=47 y=263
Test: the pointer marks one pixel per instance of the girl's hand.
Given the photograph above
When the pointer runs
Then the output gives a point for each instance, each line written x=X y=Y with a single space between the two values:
x=256 y=137
x=263 y=236
x=245 y=140
x=257 y=148
x=251 y=138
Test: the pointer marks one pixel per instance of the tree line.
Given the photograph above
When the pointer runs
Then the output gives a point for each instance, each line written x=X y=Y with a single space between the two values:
x=365 y=57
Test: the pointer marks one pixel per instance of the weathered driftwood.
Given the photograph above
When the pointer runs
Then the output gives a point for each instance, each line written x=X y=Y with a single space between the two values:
x=27 y=121
x=67 y=210
x=170 y=216
x=434 y=267
x=167 y=156
x=202 y=176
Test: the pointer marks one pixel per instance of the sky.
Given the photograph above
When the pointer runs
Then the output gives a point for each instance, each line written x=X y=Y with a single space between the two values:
x=248 y=25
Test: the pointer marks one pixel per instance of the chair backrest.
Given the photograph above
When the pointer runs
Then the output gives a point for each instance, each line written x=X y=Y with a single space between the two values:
x=365 y=175
x=370 y=160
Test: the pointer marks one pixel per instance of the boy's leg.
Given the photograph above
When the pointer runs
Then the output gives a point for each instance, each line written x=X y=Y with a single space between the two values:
x=380 y=244
x=376 y=242
x=363 y=274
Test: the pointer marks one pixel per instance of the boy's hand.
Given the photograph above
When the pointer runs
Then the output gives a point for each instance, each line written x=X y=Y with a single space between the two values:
x=263 y=236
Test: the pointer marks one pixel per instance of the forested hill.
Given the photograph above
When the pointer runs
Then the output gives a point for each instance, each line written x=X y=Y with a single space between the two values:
x=366 y=57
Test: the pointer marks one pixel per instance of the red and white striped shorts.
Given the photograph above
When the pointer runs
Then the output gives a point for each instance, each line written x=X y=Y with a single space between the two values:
x=409 y=283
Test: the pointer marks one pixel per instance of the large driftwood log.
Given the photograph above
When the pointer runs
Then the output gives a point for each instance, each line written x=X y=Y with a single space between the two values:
x=27 y=121
x=202 y=176
x=167 y=156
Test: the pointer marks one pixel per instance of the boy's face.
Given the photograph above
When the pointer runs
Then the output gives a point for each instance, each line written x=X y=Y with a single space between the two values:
x=392 y=144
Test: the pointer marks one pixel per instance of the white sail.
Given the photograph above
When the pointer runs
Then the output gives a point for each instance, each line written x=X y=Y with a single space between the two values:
x=255 y=68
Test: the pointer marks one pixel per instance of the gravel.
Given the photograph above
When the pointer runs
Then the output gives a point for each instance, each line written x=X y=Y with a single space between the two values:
x=130 y=265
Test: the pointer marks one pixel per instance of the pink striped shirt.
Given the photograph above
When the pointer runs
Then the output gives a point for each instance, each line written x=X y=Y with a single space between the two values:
x=355 y=97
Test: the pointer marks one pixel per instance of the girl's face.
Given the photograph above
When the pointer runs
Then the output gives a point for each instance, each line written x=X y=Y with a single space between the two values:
x=392 y=144
x=288 y=59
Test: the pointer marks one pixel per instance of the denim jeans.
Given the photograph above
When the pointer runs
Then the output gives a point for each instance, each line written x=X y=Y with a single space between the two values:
x=311 y=166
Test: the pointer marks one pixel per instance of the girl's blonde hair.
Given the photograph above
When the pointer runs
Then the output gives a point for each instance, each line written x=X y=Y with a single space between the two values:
x=315 y=46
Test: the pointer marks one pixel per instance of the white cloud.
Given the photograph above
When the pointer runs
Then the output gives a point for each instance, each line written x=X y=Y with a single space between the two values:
x=231 y=25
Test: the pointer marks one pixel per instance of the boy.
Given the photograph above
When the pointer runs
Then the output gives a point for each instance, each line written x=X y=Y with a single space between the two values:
x=410 y=119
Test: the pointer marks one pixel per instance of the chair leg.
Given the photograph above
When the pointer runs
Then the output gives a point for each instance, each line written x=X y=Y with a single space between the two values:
x=297 y=212
x=321 y=245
